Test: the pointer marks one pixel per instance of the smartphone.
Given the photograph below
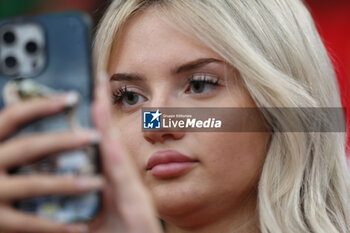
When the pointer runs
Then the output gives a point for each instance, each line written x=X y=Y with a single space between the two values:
x=41 y=56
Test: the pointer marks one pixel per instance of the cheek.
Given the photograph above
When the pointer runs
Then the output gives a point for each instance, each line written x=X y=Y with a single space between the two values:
x=233 y=158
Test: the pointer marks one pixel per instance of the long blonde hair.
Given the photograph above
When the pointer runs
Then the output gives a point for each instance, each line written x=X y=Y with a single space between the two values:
x=304 y=185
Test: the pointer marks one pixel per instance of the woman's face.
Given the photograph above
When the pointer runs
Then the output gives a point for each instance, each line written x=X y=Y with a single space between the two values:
x=154 y=63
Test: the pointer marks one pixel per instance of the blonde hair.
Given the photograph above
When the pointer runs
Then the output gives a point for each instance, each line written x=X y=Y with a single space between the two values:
x=304 y=185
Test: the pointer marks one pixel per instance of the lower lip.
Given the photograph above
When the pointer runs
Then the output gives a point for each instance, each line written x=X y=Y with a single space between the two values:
x=169 y=170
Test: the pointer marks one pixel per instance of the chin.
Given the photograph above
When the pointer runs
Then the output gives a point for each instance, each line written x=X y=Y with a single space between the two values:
x=176 y=201
x=187 y=213
x=178 y=212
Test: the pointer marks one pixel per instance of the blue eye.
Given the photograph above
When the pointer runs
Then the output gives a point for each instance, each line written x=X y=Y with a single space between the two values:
x=126 y=97
x=202 y=83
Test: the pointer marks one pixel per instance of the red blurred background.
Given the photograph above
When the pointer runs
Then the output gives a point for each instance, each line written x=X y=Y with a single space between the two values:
x=332 y=18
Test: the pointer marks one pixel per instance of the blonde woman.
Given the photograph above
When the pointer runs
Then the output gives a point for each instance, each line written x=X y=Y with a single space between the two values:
x=222 y=53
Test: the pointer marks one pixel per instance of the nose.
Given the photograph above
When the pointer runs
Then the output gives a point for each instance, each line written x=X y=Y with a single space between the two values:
x=162 y=98
x=154 y=137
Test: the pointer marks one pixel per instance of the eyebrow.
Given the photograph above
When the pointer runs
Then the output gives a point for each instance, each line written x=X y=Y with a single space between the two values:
x=177 y=70
x=194 y=65
x=126 y=77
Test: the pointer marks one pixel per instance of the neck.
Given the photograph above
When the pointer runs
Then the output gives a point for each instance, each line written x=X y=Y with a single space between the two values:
x=242 y=219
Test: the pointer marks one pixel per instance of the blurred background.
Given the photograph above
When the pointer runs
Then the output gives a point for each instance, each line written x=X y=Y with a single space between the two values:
x=13 y=8
x=332 y=19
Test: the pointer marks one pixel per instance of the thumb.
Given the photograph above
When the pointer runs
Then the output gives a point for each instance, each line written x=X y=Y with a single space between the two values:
x=132 y=199
x=101 y=109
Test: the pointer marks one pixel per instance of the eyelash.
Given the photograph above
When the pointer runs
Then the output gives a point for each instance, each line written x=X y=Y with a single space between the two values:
x=204 y=80
x=122 y=92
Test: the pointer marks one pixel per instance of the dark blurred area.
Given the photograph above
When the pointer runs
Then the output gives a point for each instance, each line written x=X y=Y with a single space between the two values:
x=332 y=19
x=13 y=8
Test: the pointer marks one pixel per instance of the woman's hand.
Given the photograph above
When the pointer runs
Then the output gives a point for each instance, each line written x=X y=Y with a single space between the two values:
x=128 y=207
x=20 y=150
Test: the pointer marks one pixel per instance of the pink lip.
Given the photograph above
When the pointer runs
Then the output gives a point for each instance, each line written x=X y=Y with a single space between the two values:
x=170 y=163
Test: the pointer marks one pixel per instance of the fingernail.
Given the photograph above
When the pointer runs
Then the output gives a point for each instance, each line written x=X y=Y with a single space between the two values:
x=80 y=228
x=89 y=183
x=102 y=77
x=71 y=99
x=86 y=137
x=95 y=137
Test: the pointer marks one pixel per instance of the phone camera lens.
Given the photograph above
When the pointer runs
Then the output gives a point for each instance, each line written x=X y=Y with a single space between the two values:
x=9 y=37
x=11 y=62
x=31 y=47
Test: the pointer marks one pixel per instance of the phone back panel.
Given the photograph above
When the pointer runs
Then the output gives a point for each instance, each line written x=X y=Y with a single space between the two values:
x=68 y=56
x=66 y=67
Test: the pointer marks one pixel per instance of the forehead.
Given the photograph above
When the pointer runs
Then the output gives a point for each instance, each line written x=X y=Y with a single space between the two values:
x=149 y=39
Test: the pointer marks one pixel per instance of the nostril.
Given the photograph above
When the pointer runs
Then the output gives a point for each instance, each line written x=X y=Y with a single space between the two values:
x=167 y=136
x=149 y=140
x=153 y=136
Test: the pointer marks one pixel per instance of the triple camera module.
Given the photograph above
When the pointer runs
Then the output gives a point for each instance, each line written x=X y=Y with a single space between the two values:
x=22 y=50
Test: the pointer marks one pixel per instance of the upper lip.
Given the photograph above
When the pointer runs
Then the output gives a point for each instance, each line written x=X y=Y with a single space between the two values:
x=168 y=156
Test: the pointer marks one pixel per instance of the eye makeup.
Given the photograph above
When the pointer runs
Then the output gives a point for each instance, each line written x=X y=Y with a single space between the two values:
x=197 y=84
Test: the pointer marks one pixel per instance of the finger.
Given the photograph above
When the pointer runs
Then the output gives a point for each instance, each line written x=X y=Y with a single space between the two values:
x=24 y=149
x=12 y=220
x=102 y=113
x=118 y=165
x=20 y=113
x=108 y=217
x=101 y=106
x=22 y=187
x=132 y=199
